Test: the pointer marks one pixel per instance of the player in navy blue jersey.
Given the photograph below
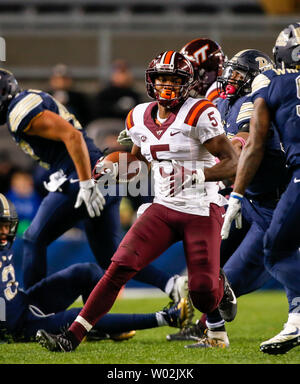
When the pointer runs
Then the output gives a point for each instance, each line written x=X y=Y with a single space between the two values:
x=44 y=305
x=244 y=248
x=47 y=132
x=276 y=98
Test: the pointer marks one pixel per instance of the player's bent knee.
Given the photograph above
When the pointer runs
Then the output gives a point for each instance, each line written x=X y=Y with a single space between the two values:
x=205 y=302
x=119 y=274
x=32 y=236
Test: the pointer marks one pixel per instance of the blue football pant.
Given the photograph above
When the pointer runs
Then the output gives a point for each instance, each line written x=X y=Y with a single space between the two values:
x=50 y=298
x=282 y=239
x=56 y=215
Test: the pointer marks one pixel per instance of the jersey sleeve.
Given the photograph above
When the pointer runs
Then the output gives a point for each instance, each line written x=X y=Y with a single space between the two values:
x=129 y=124
x=24 y=111
x=244 y=115
x=213 y=93
x=260 y=87
x=209 y=124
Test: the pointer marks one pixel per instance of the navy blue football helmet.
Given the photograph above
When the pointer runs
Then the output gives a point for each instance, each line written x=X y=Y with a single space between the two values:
x=240 y=71
x=287 y=47
x=8 y=214
x=8 y=89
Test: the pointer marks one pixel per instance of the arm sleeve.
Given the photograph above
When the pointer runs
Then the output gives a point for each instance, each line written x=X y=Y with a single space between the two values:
x=244 y=116
x=129 y=124
x=24 y=112
x=209 y=125
x=260 y=87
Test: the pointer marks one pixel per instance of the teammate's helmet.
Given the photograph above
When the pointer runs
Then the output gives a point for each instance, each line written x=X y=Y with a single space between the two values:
x=207 y=58
x=287 y=47
x=170 y=63
x=247 y=64
x=8 y=89
x=8 y=214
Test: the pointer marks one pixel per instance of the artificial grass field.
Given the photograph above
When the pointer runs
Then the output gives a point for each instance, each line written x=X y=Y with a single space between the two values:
x=260 y=316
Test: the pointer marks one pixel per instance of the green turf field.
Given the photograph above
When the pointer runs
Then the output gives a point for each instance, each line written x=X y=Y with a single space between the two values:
x=260 y=316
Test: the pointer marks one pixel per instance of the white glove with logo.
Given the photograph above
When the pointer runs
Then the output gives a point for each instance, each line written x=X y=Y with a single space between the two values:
x=91 y=196
x=56 y=180
x=234 y=212
x=123 y=138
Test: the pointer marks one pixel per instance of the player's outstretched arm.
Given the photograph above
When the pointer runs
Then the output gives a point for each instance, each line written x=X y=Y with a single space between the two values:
x=51 y=126
x=253 y=151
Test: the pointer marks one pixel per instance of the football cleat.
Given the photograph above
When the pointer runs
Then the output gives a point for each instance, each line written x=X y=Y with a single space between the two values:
x=96 y=335
x=122 y=336
x=212 y=339
x=189 y=332
x=56 y=343
x=287 y=339
x=177 y=314
x=228 y=304
x=180 y=288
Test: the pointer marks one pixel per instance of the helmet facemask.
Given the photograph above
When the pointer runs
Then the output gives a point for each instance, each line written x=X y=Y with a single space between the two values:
x=8 y=217
x=7 y=239
x=240 y=71
x=170 y=96
x=235 y=81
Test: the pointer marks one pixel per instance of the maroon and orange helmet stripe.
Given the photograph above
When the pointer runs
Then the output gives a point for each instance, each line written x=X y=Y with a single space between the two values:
x=168 y=57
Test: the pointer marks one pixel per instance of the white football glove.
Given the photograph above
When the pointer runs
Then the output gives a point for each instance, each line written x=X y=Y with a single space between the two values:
x=105 y=169
x=179 y=179
x=124 y=138
x=91 y=196
x=234 y=212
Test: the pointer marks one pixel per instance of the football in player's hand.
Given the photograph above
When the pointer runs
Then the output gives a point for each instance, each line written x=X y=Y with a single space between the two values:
x=119 y=166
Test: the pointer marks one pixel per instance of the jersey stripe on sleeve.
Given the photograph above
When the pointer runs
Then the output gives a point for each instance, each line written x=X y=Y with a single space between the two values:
x=195 y=112
x=260 y=81
x=245 y=112
x=213 y=95
x=22 y=109
x=129 y=120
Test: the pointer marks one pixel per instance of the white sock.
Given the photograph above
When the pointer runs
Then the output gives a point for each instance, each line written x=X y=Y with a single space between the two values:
x=212 y=326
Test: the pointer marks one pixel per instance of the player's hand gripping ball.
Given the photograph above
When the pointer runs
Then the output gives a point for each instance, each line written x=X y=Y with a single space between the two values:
x=118 y=167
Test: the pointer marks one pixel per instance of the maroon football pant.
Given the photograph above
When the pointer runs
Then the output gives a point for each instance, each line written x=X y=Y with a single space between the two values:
x=159 y=227
x=153 y=233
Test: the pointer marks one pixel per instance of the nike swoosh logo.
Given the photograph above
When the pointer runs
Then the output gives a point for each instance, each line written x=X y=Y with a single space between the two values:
x=292 y=333
x=72 y=181
x=296 y=180
x=174 y=133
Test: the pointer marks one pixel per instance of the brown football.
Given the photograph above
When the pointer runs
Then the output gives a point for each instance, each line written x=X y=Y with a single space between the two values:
x=129 y=165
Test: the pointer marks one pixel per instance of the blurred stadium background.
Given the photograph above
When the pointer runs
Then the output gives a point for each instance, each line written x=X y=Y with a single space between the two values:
x=87 y=41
